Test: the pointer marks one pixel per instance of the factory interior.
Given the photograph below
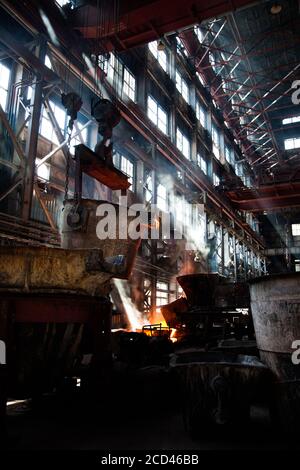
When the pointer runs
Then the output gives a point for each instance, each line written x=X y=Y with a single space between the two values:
x=149 y=225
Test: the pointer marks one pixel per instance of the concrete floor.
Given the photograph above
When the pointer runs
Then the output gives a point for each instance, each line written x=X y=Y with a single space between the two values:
x=63 y=425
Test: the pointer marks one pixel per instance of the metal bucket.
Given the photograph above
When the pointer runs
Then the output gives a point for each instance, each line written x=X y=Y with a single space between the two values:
x=275 y=304
x=79 y=230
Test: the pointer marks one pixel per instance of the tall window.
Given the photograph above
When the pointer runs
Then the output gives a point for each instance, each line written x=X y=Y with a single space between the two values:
x=160 y=56
x=46 y=128
x=127 y=167
x=216 y=180
x=200 y=114
x=227 y=154
x=182 y=87
x=108 y=66
x=4 y=84
x=216 y=142
x=157 y=115
x=129 y=84
x=183 y=143
x=112 y=66
x=202 y=163
x=162 y=202
x=290 y=144
x=162 y=293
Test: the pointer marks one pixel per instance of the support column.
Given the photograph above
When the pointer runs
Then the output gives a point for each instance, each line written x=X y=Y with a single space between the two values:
x=153 y=243
x=32 y=139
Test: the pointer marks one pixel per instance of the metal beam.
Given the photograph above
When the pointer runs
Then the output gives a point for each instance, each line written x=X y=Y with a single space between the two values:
x=32 y=137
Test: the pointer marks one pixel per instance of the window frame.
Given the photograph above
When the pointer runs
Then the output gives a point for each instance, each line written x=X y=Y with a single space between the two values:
x=4 y=87
x=182 y=87
x=127 y=88
x=162 y=293
x=202 y=163
x=162 y=198
x=46 y=119
x=156 y=113
x=215 y=144
x=201 y=114
x=180 y=136
x=294 y=140
x=123 y=168
x=160 y=56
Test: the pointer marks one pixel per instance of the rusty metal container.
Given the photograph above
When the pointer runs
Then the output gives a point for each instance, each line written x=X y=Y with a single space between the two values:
x=275 y=304
x=79 y=230
x=52 y=270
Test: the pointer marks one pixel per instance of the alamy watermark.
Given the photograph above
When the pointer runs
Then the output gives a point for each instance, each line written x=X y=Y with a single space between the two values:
x=136 y=222
x=296 y=93
x=2 y=353
x=296 y=353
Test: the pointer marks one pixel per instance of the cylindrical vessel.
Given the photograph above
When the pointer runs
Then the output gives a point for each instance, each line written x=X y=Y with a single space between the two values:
x=275 y=304
x=79 y=230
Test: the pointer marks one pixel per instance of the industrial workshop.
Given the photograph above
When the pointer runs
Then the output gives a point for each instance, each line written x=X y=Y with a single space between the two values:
x=149 y=227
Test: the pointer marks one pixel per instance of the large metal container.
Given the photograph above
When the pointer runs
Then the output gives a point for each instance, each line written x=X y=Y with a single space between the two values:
x=79 y=230
x=42 y=269
x=275 y=304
